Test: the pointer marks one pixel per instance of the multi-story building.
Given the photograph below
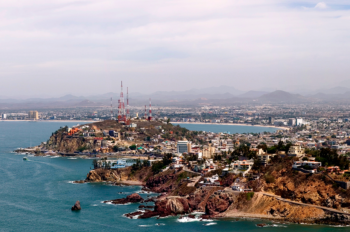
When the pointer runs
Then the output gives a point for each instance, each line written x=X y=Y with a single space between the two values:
x=208 y=151
x=291 y=122
x=183 y=147
x=296 y=151
x=299 y=121
x=33 y=115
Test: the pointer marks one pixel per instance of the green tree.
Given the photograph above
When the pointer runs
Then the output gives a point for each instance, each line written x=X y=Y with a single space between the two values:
x=94 y=163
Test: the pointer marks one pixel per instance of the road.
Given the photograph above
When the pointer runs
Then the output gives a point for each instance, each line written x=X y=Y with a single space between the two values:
x=194 y=181
x=304 y=204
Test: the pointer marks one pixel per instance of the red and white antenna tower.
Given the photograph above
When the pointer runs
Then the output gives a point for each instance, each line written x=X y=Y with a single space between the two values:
x=127 y=106
x=121 y=115
x=119 y=111
x=150 y=110
x=145 y=112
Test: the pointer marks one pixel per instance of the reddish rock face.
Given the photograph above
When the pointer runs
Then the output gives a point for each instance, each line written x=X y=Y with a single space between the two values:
x=218 y=203
x=158 y=183
x=167 y=207
x=133 y=198
x=76 y=206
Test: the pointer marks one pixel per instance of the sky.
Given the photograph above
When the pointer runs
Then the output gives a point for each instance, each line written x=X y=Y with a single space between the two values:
x=86 y=47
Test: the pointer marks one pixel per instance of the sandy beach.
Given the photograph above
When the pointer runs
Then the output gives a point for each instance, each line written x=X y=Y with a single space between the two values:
x=232 y=124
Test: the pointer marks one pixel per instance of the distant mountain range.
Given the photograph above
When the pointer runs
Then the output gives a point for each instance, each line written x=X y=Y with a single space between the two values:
x=223 y=95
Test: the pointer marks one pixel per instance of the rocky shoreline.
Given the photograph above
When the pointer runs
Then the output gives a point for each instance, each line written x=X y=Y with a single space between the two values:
x=177 y=199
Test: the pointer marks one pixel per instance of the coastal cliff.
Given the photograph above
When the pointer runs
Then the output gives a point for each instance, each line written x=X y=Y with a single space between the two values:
x=315 y=189
x=219 y=202
x=60 y=142
x=119 y=176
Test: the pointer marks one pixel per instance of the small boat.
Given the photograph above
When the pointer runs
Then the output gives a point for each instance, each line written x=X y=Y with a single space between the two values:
x=25 y=158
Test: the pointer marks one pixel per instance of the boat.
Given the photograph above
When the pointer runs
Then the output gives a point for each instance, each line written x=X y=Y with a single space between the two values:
x=25 y=158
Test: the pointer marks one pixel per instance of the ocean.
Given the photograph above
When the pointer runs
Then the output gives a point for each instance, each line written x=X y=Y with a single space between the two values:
x=36 y=195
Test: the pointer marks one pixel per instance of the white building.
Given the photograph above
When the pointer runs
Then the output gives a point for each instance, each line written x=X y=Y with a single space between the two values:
x=4 y=116
x=243 y=166
x=312 y=164
x=296 y=151
x=299 y=121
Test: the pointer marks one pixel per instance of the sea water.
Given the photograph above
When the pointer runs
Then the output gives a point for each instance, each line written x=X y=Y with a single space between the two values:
x=36 y=195
x=225 y=128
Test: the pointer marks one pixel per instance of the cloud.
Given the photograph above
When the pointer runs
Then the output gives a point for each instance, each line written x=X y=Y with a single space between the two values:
x=321 y=5
x=247 y=44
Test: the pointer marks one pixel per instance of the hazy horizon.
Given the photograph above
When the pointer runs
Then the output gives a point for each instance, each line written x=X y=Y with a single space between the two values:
x=86 y=47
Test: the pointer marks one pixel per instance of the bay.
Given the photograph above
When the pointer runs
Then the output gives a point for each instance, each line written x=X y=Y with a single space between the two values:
x=232 y=129
x=37 y=195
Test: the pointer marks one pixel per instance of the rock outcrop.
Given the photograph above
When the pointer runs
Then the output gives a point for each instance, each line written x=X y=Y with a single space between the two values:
x=61 y=142
x=168 y=206
x=314 y=189
x=269 y=207
x=133 y=198
x=160 y=183
x=218 y=203
x=198 y=200
x=99 y=175
x=76 y=206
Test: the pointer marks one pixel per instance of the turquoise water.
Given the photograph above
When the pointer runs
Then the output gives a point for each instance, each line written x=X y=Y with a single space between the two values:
x=226 y=128
x=37 y=195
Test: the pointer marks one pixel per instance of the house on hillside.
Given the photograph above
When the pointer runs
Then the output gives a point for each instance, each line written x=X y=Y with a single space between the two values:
x=296 y=151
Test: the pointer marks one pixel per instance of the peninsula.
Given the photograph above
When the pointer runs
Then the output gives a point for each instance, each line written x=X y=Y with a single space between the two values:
x=261 y=175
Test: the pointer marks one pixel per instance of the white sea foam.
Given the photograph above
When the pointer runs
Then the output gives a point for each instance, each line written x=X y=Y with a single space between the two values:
x=72 y=158
x=53 y=157
x=94 y=205
x=196 y=219
x=210 y=224
x=197 y=213
x=275 y=225
x=133 y=217
x=72 y=182
x=144 y=192
x=110 y=203
x=145 y=225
